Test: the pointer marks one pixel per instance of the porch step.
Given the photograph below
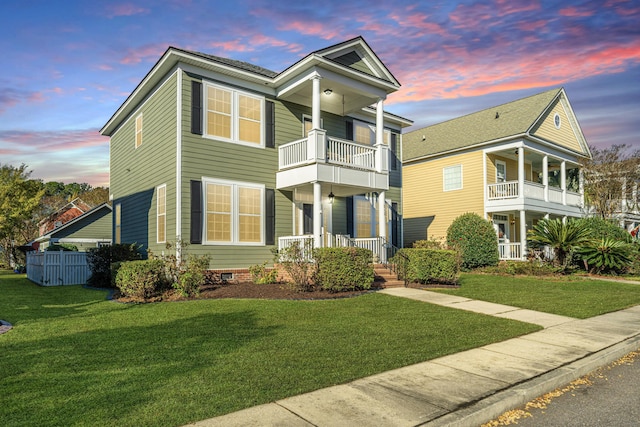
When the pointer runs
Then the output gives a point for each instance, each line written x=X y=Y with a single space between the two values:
x=385 y=278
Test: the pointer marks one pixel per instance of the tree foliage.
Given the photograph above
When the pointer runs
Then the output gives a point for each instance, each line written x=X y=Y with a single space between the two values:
x=609 y=178
x=19 y=200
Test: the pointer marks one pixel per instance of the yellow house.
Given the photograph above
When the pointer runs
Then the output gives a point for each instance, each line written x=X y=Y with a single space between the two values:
x=512 y=164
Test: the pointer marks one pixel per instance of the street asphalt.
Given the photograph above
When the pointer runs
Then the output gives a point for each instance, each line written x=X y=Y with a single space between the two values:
x=463 y=389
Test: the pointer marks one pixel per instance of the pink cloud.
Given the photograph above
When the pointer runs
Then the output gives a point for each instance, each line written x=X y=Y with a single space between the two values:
x=574 y=12
x=232 y=46
x=50 y=141
x=124 y=9
x=310 y=28
x=508 y=7
x=149 y=52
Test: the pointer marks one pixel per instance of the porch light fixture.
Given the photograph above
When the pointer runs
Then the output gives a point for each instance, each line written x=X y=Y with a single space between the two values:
x=331 y=197
x=328 y=91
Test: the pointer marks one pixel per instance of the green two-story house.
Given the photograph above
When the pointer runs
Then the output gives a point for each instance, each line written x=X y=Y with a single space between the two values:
x=237 y=160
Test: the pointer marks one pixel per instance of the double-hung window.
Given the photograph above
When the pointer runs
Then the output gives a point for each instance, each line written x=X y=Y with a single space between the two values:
x=452 y=178
x=234 y=212
x=234 y=116
x=139 y=131
x=161 y=213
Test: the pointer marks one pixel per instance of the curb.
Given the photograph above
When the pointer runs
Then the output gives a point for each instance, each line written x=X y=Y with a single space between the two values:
x=493 y=406
x=5 y=326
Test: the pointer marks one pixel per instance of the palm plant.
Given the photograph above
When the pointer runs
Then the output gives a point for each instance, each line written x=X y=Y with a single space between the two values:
x=607 y=255
x=563 y=237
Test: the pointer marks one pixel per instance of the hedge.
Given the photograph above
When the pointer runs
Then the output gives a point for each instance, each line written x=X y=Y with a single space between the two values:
x=343 y=269
x=429 y=265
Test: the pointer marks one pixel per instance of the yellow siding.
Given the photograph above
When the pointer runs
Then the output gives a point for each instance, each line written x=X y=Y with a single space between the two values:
x=423 y=194
x=565 y=136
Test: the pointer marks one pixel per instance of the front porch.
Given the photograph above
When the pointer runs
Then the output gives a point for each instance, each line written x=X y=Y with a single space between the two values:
x=381 y=250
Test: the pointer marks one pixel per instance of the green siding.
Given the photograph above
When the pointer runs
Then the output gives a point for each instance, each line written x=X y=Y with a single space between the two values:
x=135 y=173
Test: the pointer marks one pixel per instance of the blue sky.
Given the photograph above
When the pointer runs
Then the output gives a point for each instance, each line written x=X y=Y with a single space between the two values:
x=68 y=65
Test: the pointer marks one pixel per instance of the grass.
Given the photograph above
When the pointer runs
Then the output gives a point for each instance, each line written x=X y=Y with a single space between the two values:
x=566 y=296
x=75 y=358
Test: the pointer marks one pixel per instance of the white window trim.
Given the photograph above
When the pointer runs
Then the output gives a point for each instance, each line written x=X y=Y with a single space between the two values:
x=235 y=217
x=444 y=169
x=158 y=215
x=235 y=115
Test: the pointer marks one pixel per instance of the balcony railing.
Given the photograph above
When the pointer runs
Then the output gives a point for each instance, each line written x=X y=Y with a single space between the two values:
x=532 y=190
x=375 y=244
x=510 y=251
x=338 y=151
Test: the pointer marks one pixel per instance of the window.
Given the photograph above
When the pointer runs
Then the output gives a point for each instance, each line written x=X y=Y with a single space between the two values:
x=139 y=131
x=363 y=133
x=234 y=213
x=365 y=217
x=234 y=116
x=501 y=171
x=161 y=213
x=307 y=124
x=118 y=224
x=556 y=120
x=452 y=178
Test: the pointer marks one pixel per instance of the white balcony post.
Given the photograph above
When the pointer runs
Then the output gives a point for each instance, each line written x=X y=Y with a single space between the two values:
x=317 y=141
x=315 y=103
x=523 y=234
x=563 y=181
x=623 y=196
x=382 y=151
x=581 y=187
x=545 y=177
x=382 y=223
x=521 y=172
x=317 y=215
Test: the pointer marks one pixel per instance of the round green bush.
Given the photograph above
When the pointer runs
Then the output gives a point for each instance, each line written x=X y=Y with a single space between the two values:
x=475 y=239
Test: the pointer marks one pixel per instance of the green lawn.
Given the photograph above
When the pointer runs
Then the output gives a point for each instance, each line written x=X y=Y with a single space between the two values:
x=75 y=358
x=568 y=296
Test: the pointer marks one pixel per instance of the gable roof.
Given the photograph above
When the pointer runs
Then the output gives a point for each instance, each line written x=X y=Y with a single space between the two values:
x=47 y=235
x=517 y=118
x=352 y=58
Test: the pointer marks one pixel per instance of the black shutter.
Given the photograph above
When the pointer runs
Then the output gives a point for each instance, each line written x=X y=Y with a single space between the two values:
x=196 y=107
x=270 y=124
x=395 y=224
x=349 y=131
x=196 y=212
x=270 y=216
x=393 y=158
x=350 y=218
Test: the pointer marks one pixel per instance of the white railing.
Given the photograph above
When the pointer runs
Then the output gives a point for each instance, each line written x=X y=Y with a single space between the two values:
x=374 y=244
x=349 y=153
x=510 y=251
x=503 y=190
x=555 y=195
x=534 y=190
x=52 y=268
x=293 y=153
x=304 y=242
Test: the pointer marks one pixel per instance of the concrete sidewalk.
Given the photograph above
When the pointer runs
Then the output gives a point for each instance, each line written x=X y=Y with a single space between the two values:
x=463 y=389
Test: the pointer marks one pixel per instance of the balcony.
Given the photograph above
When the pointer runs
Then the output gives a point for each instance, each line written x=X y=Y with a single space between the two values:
x=507 y=193
x=331 y=160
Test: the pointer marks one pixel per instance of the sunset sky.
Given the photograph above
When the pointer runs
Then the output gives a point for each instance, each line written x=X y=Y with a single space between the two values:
x=68 y=65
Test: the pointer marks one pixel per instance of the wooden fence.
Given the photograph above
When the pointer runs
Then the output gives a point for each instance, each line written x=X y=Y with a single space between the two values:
x=54 y=268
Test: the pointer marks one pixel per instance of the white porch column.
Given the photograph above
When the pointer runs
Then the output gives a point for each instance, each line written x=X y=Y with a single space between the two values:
x=315 y=102
x=317 y=215
x=581 y=188
x=623 y=196
x=563 y=181
x=523 y=234
x=521 y=172
x=545 y=177
x=382 y=222
x=382 y=151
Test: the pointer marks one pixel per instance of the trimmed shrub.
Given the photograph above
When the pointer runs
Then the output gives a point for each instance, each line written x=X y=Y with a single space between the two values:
x=428 y=244
x=601 y=228
x=141 y=279
x=191 y=275
x=343 y=269
x=296 y=261
x=429 y=265
x=475 y=238
x=531 y=267
x=100 y=260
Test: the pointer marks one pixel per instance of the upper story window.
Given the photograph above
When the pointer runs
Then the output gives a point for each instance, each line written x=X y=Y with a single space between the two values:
x=234 y=116
x=365 y=133
x=452 y=178
x=139 y=131
x=556 y=120
x=118 y=224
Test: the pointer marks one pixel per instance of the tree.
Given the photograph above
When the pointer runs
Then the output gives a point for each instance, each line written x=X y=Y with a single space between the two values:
x=19 y=199
x=562 y=237
x=609 y=178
